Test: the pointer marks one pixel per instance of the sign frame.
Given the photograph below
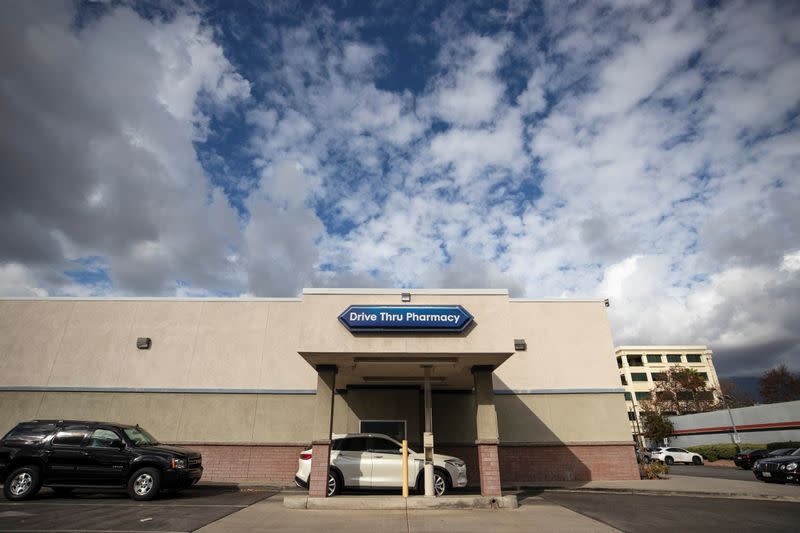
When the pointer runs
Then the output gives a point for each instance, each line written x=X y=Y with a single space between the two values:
x=384 y=328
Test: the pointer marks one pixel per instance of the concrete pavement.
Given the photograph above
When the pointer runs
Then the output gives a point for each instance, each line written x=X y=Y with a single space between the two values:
x=535 y=515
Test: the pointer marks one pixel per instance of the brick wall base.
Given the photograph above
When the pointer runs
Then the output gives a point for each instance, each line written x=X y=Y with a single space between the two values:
x=488 y=465
x=277 y=464
x=318 y=481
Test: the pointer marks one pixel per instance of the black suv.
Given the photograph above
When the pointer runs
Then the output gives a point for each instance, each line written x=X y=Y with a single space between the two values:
x=69 y=454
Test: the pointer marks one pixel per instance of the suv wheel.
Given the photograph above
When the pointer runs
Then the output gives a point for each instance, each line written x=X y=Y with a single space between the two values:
x=22 y=483
x=334 y=486
x=143 y=485
x=697 y=461
x=669 y=460
x=441 y=483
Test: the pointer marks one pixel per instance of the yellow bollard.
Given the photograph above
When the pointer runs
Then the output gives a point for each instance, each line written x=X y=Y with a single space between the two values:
x=405 y=469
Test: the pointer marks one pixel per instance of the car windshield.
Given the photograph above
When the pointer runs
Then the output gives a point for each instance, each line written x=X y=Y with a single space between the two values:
x=796 y=452
x=140 y=437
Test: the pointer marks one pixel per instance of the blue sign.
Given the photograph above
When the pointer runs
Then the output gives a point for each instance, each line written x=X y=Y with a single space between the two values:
x=409 y=318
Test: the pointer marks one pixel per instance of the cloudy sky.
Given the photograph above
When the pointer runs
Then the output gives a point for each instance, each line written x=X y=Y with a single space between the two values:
x=643 y=152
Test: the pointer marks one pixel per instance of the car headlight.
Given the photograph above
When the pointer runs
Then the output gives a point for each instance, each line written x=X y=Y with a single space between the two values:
x=179 y=463
x=458 y=463
x=791 y=466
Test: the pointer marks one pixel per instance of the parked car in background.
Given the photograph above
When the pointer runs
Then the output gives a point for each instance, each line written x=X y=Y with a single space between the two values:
x=781 y=452
x=372 y=460
x=70 y=454
x=779 y=469
x=746 y=458
x=675 y=455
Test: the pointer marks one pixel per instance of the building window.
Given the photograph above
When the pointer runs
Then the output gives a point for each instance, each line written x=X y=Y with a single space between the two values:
x=619 y=362
x=703 y=375
x=693 y=358
x=638 y=376
x=635 y=360
x=631 y=415
x=642 y=395
x=659 y=376
x=653 y=358
x=623 y=380
x=673 y=359
x=628 y=397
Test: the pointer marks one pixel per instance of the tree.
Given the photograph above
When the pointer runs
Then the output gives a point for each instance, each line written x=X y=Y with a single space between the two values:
x=680 y=391
x=656 y=427
x=779 y=385
x=735 y=396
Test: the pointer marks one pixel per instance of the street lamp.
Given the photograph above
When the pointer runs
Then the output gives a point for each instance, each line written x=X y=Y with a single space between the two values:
x=735 y=434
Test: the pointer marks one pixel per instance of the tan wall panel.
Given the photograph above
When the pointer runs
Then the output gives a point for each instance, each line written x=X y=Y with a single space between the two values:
x=282 y=367
x=173 y=328
x=230 y=343
x=97 y=340
x=569 y=347
x=95 y=406
x=16 y=407
x=373 y=404
x=157 y=413
x=30 y=334
x=217 y=418
x=551 y=418
x=322 y=331
x=284 y=418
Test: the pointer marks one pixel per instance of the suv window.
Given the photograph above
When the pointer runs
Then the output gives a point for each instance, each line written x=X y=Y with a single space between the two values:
x=70 y=436
x=103 y=438
x=377 y=444
x=355 y=444
x=30 y=432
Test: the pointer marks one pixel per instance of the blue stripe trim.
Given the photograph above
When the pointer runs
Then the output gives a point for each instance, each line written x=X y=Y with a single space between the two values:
x=560 y=391
x=162 y=390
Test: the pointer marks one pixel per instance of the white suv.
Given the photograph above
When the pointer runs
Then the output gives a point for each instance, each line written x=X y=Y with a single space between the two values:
x=675 y=455
x=372 y=460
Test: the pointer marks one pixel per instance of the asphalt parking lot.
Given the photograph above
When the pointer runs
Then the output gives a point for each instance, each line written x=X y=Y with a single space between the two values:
x=651 y=513
x=718 y=472
x=187 y=510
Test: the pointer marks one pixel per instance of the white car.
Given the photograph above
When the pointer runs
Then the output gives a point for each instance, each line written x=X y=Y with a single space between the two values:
x=372 y=460
x=675 y=455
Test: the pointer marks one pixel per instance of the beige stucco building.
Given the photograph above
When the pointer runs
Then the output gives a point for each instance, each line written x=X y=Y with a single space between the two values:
x=250 y=382
x=640 y=368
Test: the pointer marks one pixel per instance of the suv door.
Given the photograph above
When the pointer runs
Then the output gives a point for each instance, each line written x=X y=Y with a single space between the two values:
x=351 y=456
x=66 y=460
x=107 y=458
x=387 y=462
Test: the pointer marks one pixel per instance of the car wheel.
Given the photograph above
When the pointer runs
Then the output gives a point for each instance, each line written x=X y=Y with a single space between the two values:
x=143 y=485
x=334 y=485
x=22 y=483
x=669 y=460
x=63 y=492
x=696 y=461
x=441 y=483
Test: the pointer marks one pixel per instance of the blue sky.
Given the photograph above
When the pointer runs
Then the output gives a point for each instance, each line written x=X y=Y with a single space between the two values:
x=640 y=151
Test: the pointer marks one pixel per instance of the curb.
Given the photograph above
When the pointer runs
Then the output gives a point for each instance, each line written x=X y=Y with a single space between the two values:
x=398 y=503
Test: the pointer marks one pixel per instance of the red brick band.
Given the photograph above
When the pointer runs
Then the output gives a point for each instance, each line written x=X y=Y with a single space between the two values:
x=318 y=481
x=519 y=464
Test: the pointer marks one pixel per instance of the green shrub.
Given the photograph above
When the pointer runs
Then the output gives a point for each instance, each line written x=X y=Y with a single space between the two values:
x=778 y=445
x=714 y=452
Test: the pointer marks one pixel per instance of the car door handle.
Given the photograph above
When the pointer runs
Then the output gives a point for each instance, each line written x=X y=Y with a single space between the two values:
x=378 y=456
x=84 y=452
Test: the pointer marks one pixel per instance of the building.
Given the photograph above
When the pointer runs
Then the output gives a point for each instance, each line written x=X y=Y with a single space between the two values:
x=757 y=424
x=522 y=390
x=641 y=367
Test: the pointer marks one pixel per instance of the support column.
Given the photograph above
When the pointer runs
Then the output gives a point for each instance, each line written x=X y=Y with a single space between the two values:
x=488 y=435
x=321 y=434
x=427 y=437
